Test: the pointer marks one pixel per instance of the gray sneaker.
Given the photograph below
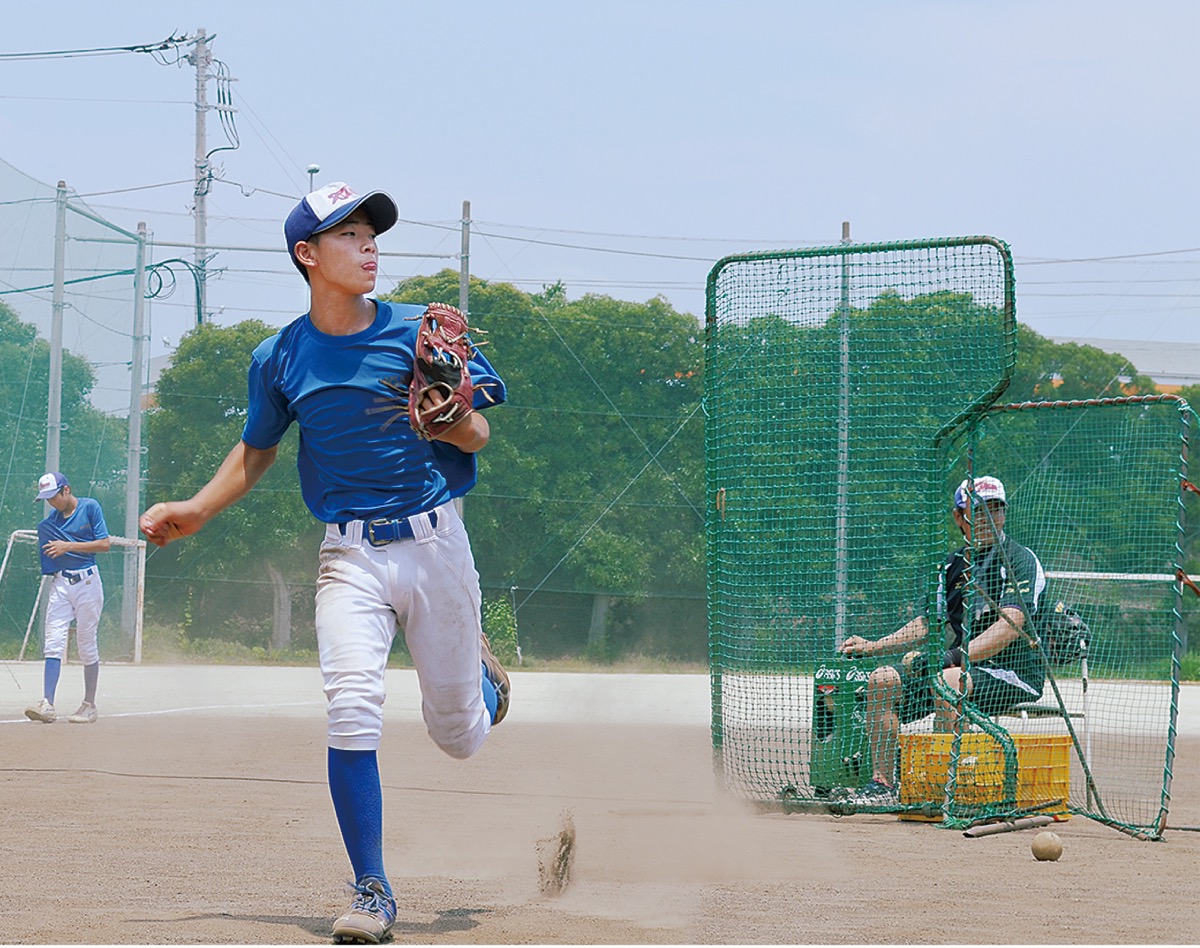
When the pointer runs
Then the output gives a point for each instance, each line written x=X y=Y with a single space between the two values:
x=875 y=793
x=371 y=915
x=85 y=715
x=42 y=711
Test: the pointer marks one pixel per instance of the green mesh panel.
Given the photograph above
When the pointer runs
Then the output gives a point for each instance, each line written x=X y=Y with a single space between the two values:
x=830 y=374
x=1096 y=488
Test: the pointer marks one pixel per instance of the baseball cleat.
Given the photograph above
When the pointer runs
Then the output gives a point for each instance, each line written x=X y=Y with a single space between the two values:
x=371 y=914
x=42 y=711
x=497 y=676
x=85 y=715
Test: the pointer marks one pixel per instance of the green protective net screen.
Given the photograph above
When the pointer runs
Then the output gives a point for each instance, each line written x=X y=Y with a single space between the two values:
x=847 y=393
x=1097 y=489
x=829 y=374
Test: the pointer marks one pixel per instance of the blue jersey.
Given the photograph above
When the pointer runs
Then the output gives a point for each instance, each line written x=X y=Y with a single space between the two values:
x=85 y=524
x=358 y=458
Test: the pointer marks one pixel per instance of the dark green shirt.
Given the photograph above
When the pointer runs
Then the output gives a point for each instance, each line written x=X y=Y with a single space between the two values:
x=1005 y=575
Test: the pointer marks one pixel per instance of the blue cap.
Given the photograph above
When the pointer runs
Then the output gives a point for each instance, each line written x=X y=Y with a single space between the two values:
x=327 y=206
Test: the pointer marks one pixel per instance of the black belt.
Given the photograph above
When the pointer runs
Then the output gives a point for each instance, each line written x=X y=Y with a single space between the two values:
x=383 y=531
x=75 y=577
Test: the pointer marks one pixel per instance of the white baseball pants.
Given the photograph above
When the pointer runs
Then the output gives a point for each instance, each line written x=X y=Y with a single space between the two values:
x=426 y=585
x=82 y=601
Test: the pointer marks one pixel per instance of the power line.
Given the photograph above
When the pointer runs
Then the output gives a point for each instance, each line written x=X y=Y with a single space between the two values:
x=171 y=42
x=1034 y=262
x=72 y=98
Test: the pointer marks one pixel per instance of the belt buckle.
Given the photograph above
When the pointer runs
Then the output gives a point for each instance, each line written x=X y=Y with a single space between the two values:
x=371 y=525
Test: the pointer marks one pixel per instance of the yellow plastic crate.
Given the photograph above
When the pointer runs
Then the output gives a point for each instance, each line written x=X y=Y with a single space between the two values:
x=1043 y=774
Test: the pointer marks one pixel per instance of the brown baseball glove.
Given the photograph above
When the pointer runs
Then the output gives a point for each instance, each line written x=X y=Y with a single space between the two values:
x=441 y=395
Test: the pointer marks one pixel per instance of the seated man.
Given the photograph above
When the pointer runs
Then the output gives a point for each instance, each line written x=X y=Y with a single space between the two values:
x=989 y=589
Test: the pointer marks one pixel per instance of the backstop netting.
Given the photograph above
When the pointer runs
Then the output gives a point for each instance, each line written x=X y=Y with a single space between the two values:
x=840 y=382
x=69 y=284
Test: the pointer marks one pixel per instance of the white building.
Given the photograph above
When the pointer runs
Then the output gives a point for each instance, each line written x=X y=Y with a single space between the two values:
x=1171 y=364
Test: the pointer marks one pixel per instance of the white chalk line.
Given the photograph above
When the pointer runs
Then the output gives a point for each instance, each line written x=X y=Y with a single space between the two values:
x=192 y=710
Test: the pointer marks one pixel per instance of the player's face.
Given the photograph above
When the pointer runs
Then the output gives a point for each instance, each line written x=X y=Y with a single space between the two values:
x=985 y=526
x=346 y=256
x=60 y=500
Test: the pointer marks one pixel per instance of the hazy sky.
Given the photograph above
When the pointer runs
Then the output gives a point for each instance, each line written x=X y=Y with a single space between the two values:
x=625 y=147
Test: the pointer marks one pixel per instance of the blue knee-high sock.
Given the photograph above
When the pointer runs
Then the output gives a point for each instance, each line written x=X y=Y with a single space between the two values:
x=490 y=698
x=358 y=803
x=50 y=678
x=91 y=674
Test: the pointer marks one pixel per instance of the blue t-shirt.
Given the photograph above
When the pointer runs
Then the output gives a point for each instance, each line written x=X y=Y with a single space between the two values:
x=358 y=458
x=86 y=523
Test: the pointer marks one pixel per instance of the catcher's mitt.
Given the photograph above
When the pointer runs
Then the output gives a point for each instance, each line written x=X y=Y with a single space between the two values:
x=440 y=357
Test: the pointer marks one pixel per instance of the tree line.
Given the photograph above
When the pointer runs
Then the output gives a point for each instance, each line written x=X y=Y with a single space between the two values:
x=588 y=519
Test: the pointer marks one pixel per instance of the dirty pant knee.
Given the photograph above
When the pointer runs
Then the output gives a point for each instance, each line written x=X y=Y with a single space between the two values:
x=355 y=710
x=457 y=722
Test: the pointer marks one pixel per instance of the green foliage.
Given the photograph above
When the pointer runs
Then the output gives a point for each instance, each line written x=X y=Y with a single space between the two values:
x=594 y=480
x=202 y=404
x=500 y=626
x=1048 y=371
x=200 y=413
x=169 y=644
x=597 y=458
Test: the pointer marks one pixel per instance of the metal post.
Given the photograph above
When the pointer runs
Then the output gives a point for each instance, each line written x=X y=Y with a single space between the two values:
x=133 y=459
x=54 y=405
x=464 y=260
x=141 y=600
x=464 y=291
x=201 y=58
x=841 y=539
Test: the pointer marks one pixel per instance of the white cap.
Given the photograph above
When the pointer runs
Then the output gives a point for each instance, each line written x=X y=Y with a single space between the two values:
x=49 y=485
x=983 y=489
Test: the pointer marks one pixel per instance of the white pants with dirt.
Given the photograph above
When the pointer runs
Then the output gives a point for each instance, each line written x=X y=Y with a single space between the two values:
x=82 y=601
x=426 y=585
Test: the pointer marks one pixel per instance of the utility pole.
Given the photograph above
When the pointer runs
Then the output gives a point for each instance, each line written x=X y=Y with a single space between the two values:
x=54 y=406
x=133 y=460
x=841 y=541
x=464 y=261
x=201 y=58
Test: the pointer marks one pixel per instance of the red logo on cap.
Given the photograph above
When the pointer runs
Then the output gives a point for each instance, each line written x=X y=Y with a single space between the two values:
x=341 y=194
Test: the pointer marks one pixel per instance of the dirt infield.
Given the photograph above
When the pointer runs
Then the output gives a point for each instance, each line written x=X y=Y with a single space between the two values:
x=196 y=811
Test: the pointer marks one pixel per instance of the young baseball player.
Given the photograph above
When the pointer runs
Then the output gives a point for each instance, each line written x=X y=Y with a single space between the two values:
x=70 y=537
x=395 y=550
x=990 y=588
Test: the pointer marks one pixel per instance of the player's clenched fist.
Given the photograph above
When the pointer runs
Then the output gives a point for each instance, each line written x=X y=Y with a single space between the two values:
x=164 y=523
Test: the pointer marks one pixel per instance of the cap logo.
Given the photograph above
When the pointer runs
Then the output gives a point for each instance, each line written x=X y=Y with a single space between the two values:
x=341 y=194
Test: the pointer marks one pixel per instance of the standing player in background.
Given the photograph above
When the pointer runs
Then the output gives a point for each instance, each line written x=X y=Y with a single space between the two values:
x=988 y=599
x=395 y=549
x=70 y=537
